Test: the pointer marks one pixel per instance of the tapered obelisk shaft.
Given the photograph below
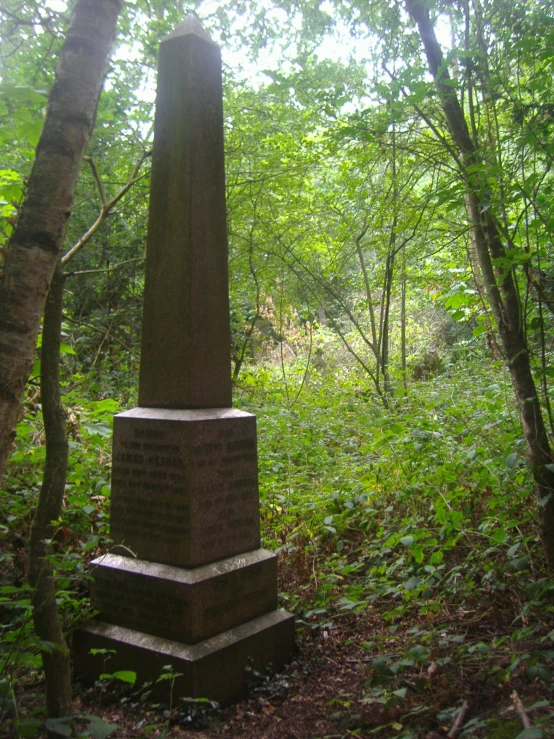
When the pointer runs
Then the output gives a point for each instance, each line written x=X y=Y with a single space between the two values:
x=185 y=353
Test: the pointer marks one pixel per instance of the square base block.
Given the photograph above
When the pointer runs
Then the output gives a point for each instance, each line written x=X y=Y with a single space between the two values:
x=186 y=605
x=185 y=484
x=213 y=669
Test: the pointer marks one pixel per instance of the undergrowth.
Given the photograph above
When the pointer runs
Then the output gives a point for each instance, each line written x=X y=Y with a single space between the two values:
x=423 y=514
x=421 y=517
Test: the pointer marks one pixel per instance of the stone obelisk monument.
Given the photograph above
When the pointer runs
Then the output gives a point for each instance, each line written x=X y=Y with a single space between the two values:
x=187 y=584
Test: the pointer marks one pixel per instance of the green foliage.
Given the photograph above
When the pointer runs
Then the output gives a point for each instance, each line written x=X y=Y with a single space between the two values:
x=95 y=727
x=423 y=514
x=430 y=485
x=80 y=533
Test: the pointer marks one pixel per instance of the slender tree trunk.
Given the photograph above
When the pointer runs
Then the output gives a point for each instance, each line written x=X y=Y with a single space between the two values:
x=389 y=276
x=250 y=330
x=502 y=292
x=403 y=319
x=56 y=663
x=477 y=276
x=37 y=240
x=385 y=312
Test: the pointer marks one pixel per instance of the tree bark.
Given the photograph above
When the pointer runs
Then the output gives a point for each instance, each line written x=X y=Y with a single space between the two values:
x=56 y=663
x=502 y=291
x=37 y=240
x=403 y=319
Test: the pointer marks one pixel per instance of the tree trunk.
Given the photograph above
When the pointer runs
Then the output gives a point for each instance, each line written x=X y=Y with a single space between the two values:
x=389 y=275
x=502 y=292
x=56 y=663
x=477 y=276
x=385 y=312
x=403 y=319
x=36 y=242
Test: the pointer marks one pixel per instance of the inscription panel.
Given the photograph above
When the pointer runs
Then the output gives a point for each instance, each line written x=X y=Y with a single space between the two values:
x=185 y=485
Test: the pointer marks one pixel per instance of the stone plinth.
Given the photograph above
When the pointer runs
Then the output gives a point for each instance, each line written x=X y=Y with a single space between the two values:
x=187 y=605
x=185 y=484
x=215 y=668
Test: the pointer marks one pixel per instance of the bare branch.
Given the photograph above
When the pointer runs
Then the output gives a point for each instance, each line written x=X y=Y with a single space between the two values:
x=104 y=269
x=460 y=718
x=107 y=207
x=96 y=176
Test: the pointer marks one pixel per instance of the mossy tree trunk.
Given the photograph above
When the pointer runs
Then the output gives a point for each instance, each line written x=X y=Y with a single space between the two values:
x=37 y=240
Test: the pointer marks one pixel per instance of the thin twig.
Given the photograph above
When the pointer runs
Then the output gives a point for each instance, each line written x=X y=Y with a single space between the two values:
x=104 y=269
x=522 y=713
x=460 y=718
x=97 y=179
x=307 y=367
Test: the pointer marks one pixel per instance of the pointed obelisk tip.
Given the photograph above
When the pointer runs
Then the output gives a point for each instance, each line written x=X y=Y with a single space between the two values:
x=191 y=25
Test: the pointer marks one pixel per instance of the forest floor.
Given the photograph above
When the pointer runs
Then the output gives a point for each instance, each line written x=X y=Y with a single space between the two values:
x=339 y=684
x=323 y=694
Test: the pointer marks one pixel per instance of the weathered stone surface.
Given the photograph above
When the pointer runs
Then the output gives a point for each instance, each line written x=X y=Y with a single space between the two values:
x=187 y=605
x=185 y=353
x=185 y=484
x=201 y=596
x=213 y=669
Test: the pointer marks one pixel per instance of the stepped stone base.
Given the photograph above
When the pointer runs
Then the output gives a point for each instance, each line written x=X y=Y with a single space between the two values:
x=214 y=668
x=187 y=584
x=189 y=605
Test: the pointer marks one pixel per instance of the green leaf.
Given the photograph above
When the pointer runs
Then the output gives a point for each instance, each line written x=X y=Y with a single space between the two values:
x=498 y=536
x=36 y=370
x=520 y=564
x=532 y=733
x=511 y=460
x=126 y=676
x=28 y=727
x=103 y=731
x=539 y=671
x=97 y=429
x=458 y=300
x=60 y=726
x=382 y=674
x=99 y=729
